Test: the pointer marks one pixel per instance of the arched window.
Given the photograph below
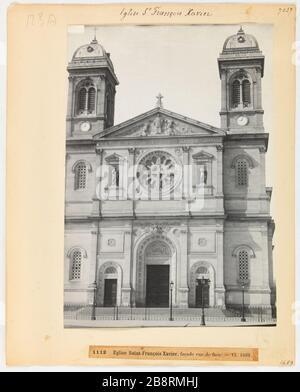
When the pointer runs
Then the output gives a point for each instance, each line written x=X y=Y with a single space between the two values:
x=76 y=261
x=80 y=176
x=246 y=92
x=241 y=172
x=91 y=99
x=243 y=260
x=241 y=91
x=236 y=93
x=86 y=98
x=81 y=99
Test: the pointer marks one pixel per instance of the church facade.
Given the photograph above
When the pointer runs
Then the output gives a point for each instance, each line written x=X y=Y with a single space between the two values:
x=163 y=204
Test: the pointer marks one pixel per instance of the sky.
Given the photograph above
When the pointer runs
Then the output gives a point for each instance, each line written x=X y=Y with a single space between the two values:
x=180 y=62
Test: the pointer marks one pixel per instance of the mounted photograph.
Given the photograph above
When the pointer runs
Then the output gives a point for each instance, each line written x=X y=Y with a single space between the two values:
x=168 y=213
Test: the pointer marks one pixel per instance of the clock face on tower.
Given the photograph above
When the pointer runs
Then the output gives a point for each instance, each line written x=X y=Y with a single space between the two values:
x=85 y=126
x=242 y=120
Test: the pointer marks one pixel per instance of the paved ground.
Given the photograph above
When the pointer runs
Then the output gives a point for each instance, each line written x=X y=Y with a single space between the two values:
x=137 y=323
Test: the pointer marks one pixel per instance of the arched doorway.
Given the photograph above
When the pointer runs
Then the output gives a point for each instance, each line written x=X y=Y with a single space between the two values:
x=155 y=270
x=157 y=260
x=109 y=285
x=202 y=285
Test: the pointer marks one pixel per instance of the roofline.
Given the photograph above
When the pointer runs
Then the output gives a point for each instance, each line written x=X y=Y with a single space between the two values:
x=232 y=59
x=108 y=131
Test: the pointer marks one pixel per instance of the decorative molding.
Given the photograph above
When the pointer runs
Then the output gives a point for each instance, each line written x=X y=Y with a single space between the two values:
x=140 y=273
x=243 y=247
x=242 y=156
x=202 y=241
x=89 y=166
x=111 y=242
x=74 y=248
x=202 y=155
x=114 y=159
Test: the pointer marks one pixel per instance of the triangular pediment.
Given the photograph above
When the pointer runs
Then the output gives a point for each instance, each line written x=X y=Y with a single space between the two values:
x=159 y=123
x=202 y=155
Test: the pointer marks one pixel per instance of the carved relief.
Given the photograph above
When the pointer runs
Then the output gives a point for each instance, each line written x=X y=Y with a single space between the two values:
x=162 y=246
x=202 y=241
x=111 y=242
x=160 y=125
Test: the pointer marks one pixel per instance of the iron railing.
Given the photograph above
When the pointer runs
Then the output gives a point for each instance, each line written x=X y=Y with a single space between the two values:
x=84 y=312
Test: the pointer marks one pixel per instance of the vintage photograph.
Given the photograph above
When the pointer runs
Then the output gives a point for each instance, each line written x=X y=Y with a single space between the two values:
x=168 y=199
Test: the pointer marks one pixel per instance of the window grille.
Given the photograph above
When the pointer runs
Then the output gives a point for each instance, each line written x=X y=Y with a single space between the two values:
x=80 y=176
x=243 y=266
x=242 y=172
x=76 y=265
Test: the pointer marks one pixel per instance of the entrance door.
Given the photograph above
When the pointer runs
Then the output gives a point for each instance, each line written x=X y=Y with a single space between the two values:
x=202 y=293
x=157 y=288
x=110 y=292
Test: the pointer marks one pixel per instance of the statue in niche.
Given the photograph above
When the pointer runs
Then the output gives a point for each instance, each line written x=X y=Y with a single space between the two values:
x=203 y=175
x=114 y=176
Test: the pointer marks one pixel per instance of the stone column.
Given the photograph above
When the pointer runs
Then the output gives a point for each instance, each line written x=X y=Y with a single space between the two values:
x=185 y=173
x=220 y=290
x=98 y=86
x=131 y=174
x=70 y=107
x=265 y=259
x=96 y=208
x=270 y=262
x=101 y=100
x=224 y=92
x=93 y=278
x=257 y=89
x=262 y=151
x=126 y=287
x=182 y=273
x=220 y=150
x=219 y=191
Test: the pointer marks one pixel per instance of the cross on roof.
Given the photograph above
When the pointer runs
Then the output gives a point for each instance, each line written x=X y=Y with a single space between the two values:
x=159 y=103
x=95 y=35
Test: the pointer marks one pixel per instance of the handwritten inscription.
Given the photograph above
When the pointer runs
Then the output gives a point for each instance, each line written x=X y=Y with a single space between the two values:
x=285 y=11
x=40 y=19
x=163 y=12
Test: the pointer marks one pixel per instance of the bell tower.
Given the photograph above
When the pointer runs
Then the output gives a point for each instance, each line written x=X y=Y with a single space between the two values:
x=241 y=67
x=92 y=88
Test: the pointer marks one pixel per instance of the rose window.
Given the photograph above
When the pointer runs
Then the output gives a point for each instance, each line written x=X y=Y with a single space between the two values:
x=158 y=172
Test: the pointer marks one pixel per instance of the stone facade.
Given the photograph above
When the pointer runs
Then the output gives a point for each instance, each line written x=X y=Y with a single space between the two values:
x=162 y=198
